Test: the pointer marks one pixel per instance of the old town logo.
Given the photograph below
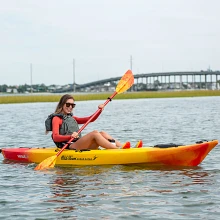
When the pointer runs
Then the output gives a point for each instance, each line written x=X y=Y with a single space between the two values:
x=70 y=157
x=22 y=156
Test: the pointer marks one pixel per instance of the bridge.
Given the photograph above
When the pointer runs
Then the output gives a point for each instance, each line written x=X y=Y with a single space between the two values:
x=155 y=81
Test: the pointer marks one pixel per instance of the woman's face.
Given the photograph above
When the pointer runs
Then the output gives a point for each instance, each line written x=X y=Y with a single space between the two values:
x=68 y=106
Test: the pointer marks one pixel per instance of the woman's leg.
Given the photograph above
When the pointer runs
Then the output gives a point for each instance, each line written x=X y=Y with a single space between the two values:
x=107 y=136
x=92 y=140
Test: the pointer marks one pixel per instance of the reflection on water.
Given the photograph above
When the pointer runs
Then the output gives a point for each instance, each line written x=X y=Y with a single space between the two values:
x=86 y=185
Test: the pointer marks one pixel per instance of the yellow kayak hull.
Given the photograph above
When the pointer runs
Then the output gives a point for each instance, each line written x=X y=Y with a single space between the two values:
x=188 y=155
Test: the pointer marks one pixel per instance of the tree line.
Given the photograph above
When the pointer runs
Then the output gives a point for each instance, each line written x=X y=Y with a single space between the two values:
x=26 y=88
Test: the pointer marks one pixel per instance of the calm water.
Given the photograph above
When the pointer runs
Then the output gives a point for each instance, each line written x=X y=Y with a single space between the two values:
x=114 y=192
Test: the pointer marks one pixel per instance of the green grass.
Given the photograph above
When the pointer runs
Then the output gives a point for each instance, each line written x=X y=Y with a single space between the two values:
x=104 y=96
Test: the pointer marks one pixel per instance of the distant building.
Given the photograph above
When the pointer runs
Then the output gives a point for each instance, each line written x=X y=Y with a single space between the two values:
x=11 y=90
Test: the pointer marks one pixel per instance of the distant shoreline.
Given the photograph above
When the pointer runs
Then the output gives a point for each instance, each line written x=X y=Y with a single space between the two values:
x=48 y=97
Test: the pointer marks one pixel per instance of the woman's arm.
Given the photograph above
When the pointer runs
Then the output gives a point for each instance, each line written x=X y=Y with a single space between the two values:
x=56 y=123
x=85 y=119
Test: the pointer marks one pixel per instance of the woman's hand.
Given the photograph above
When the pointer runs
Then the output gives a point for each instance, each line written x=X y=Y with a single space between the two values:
x=74 y=135
x=101 y=106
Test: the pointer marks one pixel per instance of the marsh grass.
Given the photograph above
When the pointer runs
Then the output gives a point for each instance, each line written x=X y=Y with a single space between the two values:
x=103 y=96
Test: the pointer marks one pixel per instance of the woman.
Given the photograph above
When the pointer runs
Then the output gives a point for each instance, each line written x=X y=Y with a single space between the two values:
x=64 y=128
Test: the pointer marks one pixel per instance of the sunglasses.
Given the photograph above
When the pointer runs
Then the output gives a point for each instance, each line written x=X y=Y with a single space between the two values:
x=70 y=104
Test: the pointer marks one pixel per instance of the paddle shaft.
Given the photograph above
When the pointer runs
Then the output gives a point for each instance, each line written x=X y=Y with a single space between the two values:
x=93 y=116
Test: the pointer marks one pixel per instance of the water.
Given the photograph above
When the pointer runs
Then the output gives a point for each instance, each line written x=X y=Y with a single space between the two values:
x=114 y=192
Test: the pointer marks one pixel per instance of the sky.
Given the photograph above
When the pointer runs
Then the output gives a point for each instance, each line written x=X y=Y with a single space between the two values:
x=101 y=36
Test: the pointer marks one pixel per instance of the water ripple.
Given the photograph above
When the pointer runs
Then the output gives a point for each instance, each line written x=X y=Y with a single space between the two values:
x=114 y=192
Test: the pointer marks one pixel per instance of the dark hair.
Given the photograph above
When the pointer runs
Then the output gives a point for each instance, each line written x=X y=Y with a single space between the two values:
x=62 y=102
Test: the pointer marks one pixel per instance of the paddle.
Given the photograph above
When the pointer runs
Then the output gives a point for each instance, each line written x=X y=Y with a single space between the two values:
x=124 y=84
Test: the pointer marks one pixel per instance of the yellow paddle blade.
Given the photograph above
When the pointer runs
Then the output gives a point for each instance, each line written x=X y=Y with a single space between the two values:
x=47 y=163
x=125 y=82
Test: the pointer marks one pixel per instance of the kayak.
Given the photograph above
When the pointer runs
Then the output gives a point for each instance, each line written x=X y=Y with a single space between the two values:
x=170 y=154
